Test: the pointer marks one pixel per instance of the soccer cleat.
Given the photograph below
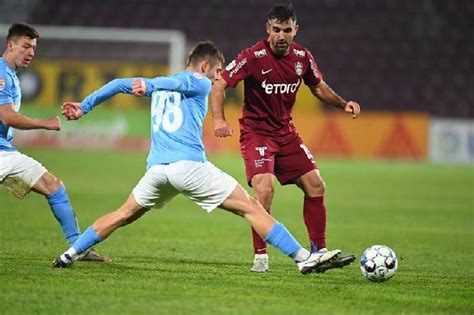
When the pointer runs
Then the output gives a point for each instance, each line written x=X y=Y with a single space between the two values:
x=339 y=262
x=317 y=259
x=260 y=263
x=92 y=255
x=59 y=263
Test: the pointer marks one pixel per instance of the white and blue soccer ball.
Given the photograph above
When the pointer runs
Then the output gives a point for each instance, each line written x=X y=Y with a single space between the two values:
x=378 y=263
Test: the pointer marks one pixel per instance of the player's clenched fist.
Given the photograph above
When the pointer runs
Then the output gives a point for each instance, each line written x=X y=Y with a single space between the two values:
x=52 y=123
x=352 y=108
x=222 y=128
x=138 y=87
x=72 y=110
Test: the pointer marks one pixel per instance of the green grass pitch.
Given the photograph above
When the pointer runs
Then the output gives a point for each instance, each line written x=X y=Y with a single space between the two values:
x=181 y=260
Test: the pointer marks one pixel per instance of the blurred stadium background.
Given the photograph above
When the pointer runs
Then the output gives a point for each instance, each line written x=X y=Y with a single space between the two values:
x=408 y=63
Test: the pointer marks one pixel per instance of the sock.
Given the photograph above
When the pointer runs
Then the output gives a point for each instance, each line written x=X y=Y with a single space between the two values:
x=69 y=255
x=314 y=213
x=64 y=214
x=281 y=238
x=301 y=255
x=259 y=245
x=87 y=239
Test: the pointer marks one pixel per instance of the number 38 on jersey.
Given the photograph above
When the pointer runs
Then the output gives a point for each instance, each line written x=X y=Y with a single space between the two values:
x=166 y=111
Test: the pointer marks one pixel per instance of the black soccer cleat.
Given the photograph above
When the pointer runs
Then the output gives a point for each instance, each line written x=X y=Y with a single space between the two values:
x=59 y=263
x=339 y=262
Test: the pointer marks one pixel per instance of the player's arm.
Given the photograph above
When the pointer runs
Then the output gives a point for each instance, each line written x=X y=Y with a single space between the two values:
x=75 y=110
x=236 y=71
x=325 y=94
x=221 y=126
x=19 y=121
x=190 y=86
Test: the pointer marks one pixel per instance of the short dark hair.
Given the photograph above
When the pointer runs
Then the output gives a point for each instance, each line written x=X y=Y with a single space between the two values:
x=204 y=50
x=282 y=12
x=18 y=30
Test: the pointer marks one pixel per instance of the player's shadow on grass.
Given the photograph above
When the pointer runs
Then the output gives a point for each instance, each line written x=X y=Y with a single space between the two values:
x=153 y=263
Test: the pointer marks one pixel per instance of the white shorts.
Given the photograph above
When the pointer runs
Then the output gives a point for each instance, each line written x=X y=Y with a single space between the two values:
x=19 y=172
x=201 y=182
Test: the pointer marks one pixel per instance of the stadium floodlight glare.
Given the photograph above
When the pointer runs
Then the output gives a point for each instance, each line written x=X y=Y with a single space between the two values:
x=174 y=38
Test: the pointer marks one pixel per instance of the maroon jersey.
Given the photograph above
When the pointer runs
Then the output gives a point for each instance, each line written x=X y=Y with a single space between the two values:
x=271 y=83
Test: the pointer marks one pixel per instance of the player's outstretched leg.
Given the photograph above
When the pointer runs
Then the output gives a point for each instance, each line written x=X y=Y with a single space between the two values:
x=100 y=230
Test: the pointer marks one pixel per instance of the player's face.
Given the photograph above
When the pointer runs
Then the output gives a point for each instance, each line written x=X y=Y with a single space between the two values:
x=281 y=35
x=22 y=51
x=213 y=70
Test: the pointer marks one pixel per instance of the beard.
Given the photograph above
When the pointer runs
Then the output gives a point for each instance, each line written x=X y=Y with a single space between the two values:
x=281 y=47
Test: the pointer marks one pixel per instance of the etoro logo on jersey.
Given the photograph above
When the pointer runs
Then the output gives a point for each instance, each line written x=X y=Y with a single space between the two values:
x=280 y=88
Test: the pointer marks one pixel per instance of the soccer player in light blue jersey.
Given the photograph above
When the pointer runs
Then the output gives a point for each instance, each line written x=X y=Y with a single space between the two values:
x=20 y=173
x=177 y=162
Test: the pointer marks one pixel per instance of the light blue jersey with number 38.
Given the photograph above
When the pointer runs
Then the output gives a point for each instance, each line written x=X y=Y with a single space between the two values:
x=178 y=109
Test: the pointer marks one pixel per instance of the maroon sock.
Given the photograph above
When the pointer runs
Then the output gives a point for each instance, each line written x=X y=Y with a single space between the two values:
x=259 y=245
x=314 y=213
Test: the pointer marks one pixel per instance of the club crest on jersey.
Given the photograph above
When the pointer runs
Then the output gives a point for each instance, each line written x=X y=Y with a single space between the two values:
x=2 y=84
x=299 y=68
x=299 y=53
x=260 y=53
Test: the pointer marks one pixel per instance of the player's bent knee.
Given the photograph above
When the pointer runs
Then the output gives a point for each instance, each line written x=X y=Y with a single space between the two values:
x=47 y=184
x=320 y=186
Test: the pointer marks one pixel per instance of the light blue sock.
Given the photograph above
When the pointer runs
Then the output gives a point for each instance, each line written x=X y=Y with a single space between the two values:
x=282 y=239
x=87 y=239
x=62 y=210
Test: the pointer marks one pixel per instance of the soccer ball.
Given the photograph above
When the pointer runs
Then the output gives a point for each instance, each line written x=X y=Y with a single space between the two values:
x=378 y=263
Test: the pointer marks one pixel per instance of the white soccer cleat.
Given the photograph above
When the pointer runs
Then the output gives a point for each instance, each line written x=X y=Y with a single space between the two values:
x=317 y=259
x=260 y=263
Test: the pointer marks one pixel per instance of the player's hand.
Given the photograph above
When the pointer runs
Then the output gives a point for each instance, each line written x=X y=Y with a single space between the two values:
x=222 y=128
x=72 y=110
x=138 y=87
x=352 y=108
x=52 y=123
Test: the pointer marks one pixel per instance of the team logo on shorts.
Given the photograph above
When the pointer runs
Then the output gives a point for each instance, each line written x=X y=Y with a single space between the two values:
x=299 y=68
x=261 y=150
x=2 y=84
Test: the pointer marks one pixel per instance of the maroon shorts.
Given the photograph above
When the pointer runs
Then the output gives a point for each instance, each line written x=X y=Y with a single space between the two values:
x=287 y=159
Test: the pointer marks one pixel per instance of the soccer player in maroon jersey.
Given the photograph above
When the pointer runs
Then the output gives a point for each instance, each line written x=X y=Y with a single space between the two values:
x=273 y=70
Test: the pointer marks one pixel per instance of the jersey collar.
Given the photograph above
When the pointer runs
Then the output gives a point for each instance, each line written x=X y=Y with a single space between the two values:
x=7 y=64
